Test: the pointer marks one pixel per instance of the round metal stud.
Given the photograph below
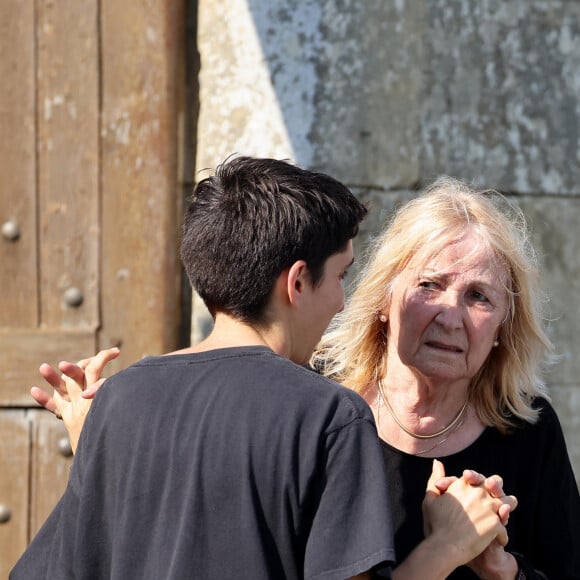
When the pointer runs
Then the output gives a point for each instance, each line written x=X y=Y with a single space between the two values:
x=64 y=447
x=5 y=513
x=10 y=231
x=73 y=296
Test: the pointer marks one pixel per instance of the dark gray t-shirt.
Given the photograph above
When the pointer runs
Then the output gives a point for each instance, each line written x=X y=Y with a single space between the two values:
x=233 y=463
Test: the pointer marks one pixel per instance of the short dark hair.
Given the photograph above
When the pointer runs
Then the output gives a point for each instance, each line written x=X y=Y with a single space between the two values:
x=256 y=217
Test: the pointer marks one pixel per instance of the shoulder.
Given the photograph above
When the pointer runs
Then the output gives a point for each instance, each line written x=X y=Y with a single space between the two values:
x=547 y=417
x=311 y=396
x=544 y=433
x=256 y=373
x=323 y=397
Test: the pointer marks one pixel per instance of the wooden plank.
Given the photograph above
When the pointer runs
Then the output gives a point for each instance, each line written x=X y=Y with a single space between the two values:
x=51 y=461
x=14 y=486
x=21 y=353
x=68 y=159
x=142 y=80
x=18 y=258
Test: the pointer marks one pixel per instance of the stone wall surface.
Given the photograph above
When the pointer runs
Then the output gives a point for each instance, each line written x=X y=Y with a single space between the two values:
x=501 y=94
x=555 y=221
x=387 y=94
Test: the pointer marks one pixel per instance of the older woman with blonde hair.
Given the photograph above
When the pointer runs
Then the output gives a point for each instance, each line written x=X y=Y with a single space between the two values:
x=443 y=337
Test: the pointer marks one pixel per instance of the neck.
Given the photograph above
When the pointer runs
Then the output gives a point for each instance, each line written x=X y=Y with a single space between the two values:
x=230 y=332
x=434 y=411
x=420 y=407
x=418 y=394
x=450 y=427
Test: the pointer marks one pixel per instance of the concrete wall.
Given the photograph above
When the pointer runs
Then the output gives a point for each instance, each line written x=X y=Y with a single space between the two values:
x=387 y=94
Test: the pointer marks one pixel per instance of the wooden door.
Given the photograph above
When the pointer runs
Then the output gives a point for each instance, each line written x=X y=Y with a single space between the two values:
x=89 y=211
x=14 y=486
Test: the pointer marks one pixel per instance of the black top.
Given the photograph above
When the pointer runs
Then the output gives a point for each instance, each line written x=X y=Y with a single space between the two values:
x=534 y=464
x=233 y=463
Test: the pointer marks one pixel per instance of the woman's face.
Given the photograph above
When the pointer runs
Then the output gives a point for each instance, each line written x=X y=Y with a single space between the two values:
x=446 y=314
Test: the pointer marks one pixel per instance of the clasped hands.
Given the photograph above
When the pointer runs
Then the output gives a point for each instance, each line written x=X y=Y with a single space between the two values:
x=471 y=513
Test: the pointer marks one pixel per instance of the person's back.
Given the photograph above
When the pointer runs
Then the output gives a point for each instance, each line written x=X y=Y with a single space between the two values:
x=228 y=463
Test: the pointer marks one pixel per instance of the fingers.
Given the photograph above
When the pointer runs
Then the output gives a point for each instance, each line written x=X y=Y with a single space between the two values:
x=494 y=486
x=96 y=365
x=74 y=372
x=503 y=513
x=470 y=477
x=91 y=391
x=502 y=536
x=509 y=504
x=87 y=372
x=443 y=483
x=43 y=399
x=60 y=393
x=473 y=477
x=84 y=362
x=53 y=378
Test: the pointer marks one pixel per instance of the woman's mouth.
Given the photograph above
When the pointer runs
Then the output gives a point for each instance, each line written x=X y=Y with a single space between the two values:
x=443 y=346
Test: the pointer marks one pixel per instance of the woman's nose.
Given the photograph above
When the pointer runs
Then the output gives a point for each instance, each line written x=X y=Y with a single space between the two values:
x=449 y=311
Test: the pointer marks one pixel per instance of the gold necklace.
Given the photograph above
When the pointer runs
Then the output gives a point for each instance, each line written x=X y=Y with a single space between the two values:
x=454 y=424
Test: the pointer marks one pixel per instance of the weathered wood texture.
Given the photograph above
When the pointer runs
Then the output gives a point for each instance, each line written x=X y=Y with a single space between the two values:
x=106 y=91
x=18 y=257
x=68 y=160
x=14 y=486
x=51 y=461
x=141 y=66
x=24 y=350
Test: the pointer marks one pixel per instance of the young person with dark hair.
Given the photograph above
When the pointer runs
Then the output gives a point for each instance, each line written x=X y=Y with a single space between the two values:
x=227 y=459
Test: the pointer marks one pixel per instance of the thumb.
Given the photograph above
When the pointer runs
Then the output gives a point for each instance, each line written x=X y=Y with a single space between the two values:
x=437 y=473
x=431 y=494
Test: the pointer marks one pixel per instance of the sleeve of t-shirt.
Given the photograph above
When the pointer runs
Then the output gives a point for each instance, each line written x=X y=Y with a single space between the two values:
x=53 y=551
x=50 y=552
x=351 y=531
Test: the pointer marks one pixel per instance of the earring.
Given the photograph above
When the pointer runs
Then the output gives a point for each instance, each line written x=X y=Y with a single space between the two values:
x=495 y=343
x=382 y=318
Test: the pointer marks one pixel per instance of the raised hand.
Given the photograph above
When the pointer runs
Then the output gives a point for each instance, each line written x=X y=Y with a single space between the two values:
x=74 y=387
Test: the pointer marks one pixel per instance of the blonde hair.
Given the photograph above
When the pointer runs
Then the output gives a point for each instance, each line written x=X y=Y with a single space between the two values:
x=353 y=351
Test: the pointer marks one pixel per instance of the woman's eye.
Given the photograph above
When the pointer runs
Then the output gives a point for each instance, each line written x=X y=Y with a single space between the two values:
x=429 y=284
x=479 y=296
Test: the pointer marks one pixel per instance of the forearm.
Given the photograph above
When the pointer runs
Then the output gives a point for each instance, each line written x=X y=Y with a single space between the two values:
x=429 y=560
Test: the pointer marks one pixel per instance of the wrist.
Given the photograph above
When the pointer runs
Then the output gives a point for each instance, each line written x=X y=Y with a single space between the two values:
x=506 y=569
x=430 y=559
